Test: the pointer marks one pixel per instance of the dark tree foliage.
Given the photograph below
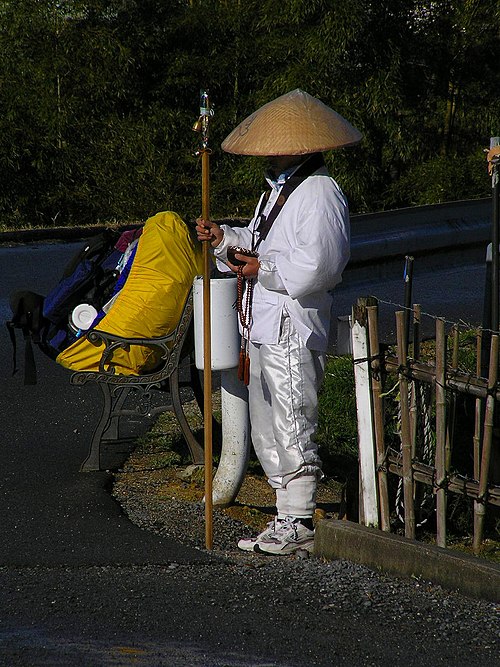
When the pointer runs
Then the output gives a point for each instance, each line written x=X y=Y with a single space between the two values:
x=98 y=99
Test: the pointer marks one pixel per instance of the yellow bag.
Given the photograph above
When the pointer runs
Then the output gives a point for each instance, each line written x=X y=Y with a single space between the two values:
x=151 y=301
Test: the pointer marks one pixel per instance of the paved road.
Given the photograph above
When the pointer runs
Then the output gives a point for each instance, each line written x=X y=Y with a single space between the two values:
x=81 y=585
x=450 y=286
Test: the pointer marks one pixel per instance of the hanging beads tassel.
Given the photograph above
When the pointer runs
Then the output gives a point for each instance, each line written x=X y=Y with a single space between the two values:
x=241 y=364
x=246 y=371
x=244 y=312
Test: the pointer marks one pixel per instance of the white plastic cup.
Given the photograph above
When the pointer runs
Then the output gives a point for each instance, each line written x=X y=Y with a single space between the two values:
x=82 y=316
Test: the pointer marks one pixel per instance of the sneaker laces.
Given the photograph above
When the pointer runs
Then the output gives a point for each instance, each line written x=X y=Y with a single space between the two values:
x=272 y=526
x=285 y=525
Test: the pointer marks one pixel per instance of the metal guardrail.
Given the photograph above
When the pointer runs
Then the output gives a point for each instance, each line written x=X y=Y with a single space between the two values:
x=452 y=226
x=388 y=235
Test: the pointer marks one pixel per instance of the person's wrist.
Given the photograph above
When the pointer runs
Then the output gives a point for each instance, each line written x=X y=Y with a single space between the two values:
x=218 y=240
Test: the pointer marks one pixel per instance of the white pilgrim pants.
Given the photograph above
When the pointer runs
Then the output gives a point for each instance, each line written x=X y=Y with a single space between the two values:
x=283 y=402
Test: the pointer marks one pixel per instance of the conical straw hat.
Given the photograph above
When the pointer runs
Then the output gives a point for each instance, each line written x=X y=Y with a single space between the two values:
x=293 y=124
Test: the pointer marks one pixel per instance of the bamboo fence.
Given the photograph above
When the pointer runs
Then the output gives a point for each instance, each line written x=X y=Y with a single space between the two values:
x=444 y=382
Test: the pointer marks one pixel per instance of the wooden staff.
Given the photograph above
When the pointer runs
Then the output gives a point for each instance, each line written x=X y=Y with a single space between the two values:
x=202 y=126
x=408 y=280
x=414 y=385
x=417 y=403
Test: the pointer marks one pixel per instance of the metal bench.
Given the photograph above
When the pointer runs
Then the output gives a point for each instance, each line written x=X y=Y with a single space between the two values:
x=142 y=396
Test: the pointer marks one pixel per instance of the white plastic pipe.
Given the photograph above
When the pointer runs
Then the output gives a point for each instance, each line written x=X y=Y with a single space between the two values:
x=235 y=439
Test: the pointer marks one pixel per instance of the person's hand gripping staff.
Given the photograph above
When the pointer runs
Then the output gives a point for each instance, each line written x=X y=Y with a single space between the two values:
x=210 y=231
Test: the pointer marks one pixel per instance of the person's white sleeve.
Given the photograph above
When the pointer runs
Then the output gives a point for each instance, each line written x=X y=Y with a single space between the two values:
x=240 y=236
x=316 y=261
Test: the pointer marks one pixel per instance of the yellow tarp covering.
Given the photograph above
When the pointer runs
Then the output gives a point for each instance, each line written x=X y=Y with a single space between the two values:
x=150 y=303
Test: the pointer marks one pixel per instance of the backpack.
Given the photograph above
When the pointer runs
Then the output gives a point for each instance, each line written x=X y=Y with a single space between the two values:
x=88 y=281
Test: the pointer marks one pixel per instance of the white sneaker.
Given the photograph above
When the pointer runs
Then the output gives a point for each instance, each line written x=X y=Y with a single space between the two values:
x=290 y=536
x=248 y=543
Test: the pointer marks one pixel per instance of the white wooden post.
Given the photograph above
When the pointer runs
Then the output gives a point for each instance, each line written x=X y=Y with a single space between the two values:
x=366 y=440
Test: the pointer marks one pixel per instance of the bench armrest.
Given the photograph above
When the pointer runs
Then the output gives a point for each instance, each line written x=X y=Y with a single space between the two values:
x=172 y=348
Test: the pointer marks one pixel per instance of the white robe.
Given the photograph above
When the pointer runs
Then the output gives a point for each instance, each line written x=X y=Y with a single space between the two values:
x=301 y=260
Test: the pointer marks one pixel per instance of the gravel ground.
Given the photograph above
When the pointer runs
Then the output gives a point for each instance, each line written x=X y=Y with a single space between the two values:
x=158 y=500
x=355 y=616
x=410 y=622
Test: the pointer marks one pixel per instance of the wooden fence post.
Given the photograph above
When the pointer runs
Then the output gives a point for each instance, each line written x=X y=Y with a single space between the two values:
x=406 y=440
x=478 y=410
x=364 y=410
x=480 y=503
x=378 y=417
x=441 y=472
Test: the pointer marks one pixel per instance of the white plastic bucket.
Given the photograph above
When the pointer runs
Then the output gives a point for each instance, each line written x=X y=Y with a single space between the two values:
x=225 y=337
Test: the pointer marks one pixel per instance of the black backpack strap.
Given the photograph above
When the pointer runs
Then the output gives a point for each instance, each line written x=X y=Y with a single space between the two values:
x=95 y=249
x=29 y=361
x=10 y=328
x=27 y=309
x=306 y=169
x=29 y=358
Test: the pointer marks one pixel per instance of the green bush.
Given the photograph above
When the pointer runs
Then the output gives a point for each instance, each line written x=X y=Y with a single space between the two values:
x=337 y=434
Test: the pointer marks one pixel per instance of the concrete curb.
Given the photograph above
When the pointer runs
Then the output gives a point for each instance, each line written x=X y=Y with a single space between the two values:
x=470 y=576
